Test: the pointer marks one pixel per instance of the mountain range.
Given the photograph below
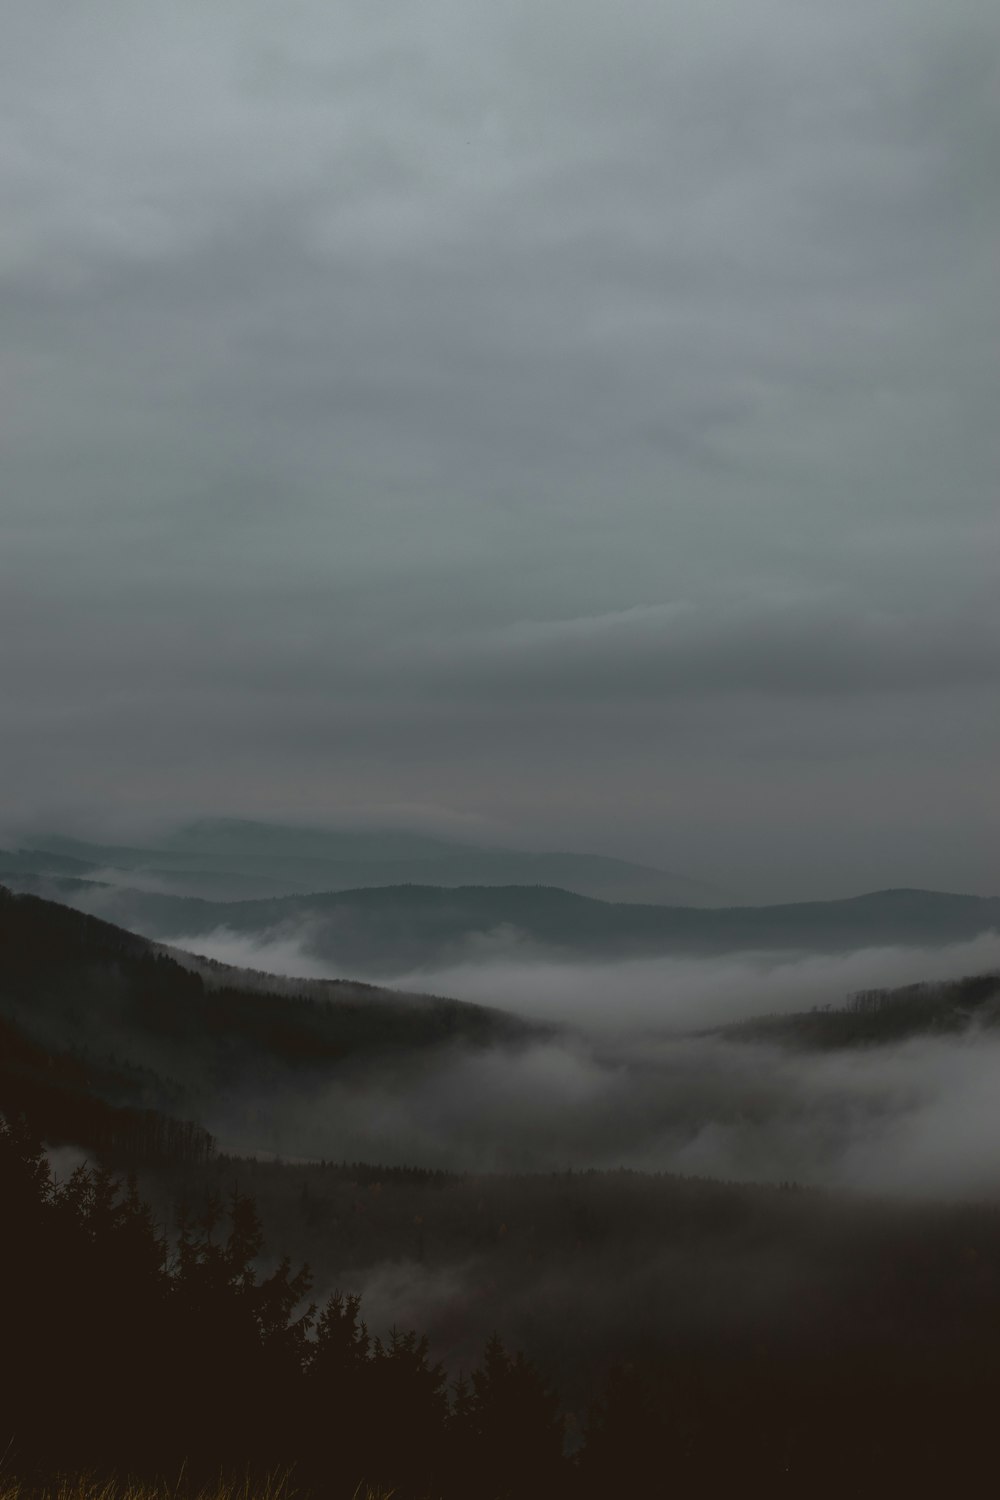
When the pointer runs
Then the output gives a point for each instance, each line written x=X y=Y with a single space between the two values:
x=230 y=858
x=111 y=1041
x=391 y=930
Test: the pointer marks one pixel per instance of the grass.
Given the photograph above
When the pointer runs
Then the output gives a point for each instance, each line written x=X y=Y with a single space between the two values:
x=82 y=1488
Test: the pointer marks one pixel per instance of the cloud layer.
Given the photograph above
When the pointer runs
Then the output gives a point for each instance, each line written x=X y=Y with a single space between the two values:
x=657 y=994
x=918 y=1118
x=579 y=419
x=636 y=1078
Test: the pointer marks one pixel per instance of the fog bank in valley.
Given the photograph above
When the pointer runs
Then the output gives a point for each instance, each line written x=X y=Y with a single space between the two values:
x=632 y=1076
x=921 y=1117
x=634 y=994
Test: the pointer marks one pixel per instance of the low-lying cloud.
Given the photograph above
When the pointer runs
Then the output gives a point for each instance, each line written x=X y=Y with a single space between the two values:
x=285 y=955
x=624 y=994
x=635 y=1078
x=921 y=1117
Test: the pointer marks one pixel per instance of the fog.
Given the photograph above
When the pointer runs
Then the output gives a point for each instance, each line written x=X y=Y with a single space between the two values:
x=691 y=992
x=275 y=955
x=671 y=993
x=918 y=1118
x=634 y=1077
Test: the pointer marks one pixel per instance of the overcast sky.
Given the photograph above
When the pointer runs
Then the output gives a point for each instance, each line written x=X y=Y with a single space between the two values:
x=572 y=423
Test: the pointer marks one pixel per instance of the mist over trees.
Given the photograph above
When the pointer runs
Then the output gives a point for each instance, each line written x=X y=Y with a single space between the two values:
x=132 y=1350
x=74 y=982
x=158 y=1347
x=359 y=1319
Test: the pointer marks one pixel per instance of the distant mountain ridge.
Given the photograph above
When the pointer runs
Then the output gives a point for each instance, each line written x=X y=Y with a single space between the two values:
x=233 y=859
x=384 y=930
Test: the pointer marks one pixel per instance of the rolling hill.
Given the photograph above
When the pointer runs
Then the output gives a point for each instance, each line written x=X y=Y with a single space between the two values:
x=95 y=1020
x=382 y=931
x=230 y=858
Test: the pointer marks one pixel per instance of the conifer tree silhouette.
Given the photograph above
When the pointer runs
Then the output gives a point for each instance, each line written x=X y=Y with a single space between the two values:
x=511 y=1424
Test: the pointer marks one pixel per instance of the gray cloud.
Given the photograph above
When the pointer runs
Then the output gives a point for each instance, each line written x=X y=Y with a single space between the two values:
x=679 y=993
x=580 y=419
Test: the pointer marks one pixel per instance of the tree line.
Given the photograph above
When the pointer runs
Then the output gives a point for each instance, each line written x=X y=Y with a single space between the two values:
x=132 y=1349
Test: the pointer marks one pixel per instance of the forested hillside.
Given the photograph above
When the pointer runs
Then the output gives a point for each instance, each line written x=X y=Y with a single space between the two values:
x=108 y=1108
x=174 y=1354
x=66 y=973
x=829 y=1348
x=883 y=1015
x=167 y=1327
x=103 y=1033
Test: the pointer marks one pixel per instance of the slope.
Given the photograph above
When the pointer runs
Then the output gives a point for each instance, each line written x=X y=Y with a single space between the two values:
x=73 y=984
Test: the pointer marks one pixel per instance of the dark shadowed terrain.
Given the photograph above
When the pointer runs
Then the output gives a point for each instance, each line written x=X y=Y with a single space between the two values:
x=392 y=1132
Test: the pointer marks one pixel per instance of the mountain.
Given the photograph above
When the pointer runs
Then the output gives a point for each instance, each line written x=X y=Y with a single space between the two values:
x=381 y=931
x=230 y=859
x=94 y=1016
x=66 y=1098
x=879 y=1016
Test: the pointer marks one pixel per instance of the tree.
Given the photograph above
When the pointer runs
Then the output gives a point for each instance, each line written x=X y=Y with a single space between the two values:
x=510 y=1425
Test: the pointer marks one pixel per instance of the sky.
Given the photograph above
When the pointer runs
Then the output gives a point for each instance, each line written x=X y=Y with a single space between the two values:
x=568 y=424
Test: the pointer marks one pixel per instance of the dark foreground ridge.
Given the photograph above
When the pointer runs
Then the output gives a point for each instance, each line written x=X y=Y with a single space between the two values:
x=136 y=1351
x=95 y=1019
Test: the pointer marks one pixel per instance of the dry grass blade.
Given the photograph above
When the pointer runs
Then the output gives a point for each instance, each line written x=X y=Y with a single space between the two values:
x=276 y=1487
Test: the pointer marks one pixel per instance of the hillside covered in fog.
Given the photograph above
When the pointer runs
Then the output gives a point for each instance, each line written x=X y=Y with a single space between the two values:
x=852 y=1094
x=403 y=1125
